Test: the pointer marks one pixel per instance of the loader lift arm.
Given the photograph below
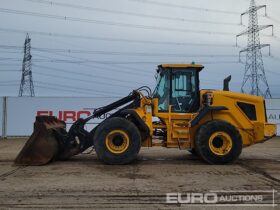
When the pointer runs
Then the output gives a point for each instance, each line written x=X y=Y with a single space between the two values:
x=77 y=129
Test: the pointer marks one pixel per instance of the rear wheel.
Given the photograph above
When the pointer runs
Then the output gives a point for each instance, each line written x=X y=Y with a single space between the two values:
x=218 y=142
x=117 y=141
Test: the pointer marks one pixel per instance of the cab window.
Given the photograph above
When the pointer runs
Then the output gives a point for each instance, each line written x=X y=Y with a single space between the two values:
x=184 y=90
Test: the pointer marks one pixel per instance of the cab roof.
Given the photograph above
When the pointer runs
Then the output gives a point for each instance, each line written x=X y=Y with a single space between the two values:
x=199 y=67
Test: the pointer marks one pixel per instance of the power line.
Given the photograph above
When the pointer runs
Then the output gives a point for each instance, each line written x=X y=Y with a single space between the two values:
x=225 y=62
x=67 y=88
x=61 y=89
x=8 y=64
x=117 y=53
x=273 y=72
x=76 y=88
x=109 y=62
x=120 y=66
x=111 y=23
x=9 y=59
x=273 y=19
x=102 y=68
x=138 y=41
x=52 y=50
x=187 y=7
x=123 y=67
x=81 y=80
x=112 y=67
x=219 y=62
x=8 y=85
x=9 y=81
x=9 y=70
x=138 y=70
x=10 y=52
x=274 y=58
x=141 y=15
x=11 y=47
x=85 y=74
x=101 y=52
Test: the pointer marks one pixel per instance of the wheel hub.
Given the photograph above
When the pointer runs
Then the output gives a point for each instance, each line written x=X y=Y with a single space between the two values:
x=220 y=143
x=117 y=141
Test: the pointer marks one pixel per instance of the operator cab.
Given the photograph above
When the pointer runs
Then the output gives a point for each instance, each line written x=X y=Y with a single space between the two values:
x=178 y=86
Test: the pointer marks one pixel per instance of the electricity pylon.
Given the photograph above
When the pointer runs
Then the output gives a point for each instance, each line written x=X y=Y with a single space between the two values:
x=254 y=81
x=26 y=85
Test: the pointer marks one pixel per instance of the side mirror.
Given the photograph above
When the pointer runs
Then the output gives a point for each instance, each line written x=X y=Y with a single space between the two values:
x=226 y=83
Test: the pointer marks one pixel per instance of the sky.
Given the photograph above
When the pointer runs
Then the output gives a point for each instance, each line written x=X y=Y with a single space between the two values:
x=109 y=47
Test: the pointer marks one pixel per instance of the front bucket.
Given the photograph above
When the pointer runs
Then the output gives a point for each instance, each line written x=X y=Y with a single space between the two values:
x=42 y=146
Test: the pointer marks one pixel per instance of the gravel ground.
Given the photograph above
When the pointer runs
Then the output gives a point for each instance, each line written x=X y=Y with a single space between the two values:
x=84 y=182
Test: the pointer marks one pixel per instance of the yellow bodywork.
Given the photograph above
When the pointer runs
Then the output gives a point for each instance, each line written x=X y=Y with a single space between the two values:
x=180 y=134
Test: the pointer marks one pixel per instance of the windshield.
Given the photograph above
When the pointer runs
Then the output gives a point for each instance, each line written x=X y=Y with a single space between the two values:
x=162 y=90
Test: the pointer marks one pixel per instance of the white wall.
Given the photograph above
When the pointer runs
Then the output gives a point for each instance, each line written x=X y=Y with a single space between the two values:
x=1 y=115
x=273 y=112
x=21 y=111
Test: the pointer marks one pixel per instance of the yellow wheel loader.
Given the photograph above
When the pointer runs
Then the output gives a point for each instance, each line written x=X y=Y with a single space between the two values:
x=214 y=124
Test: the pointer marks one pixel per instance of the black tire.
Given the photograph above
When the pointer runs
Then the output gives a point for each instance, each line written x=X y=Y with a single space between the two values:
x=117 y=124
x=206 y=137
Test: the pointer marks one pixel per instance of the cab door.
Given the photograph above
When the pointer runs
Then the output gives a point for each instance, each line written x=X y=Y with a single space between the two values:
x=184 y=91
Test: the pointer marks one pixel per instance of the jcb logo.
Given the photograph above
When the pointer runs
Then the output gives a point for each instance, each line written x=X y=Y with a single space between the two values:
x=70 y=116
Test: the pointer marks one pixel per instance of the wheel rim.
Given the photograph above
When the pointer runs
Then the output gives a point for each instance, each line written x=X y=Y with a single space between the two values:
x=117 y=141
x=220 y=143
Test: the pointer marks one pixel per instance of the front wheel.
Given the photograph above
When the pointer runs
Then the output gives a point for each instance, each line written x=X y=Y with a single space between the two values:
x=218 y=142
x=117 y=141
